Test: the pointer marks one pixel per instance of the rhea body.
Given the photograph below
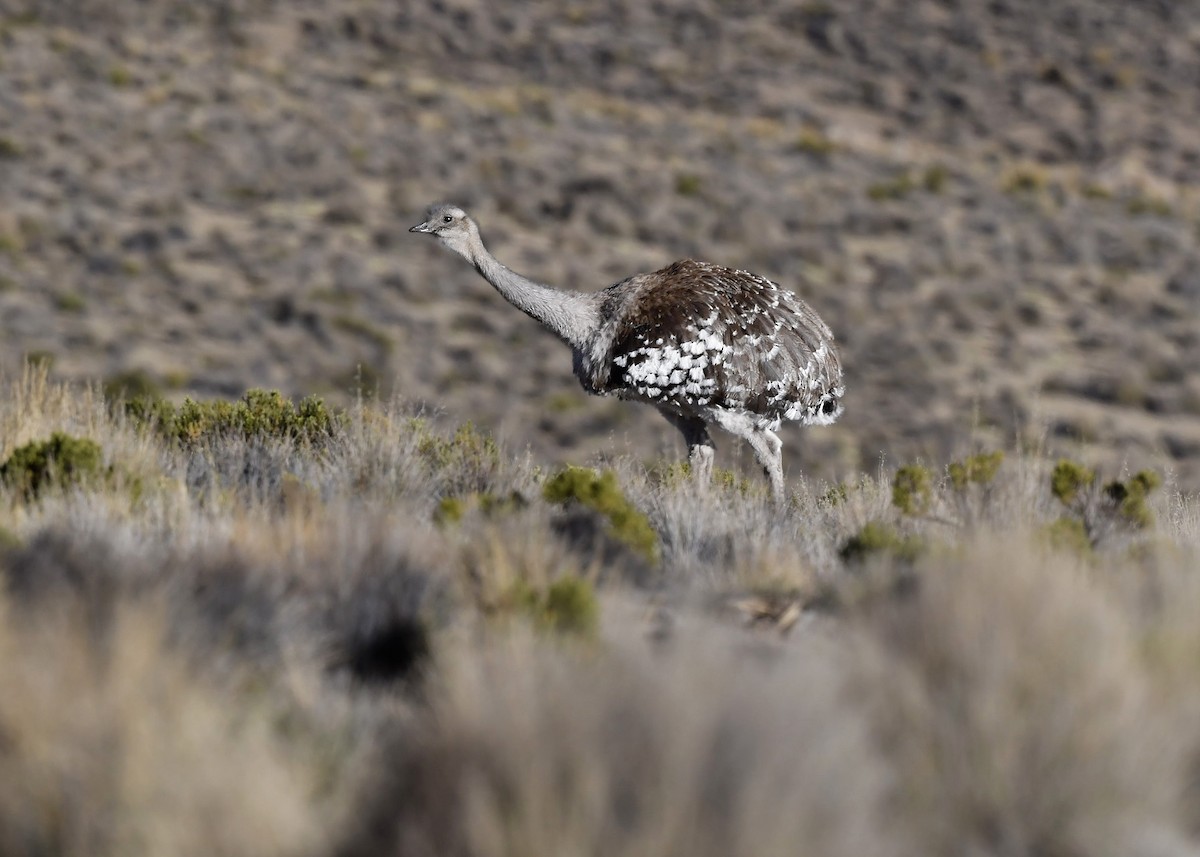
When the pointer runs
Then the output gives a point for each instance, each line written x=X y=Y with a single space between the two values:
x=705 y=344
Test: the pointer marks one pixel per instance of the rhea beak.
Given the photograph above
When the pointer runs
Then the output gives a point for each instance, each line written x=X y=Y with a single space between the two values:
x=420 y=227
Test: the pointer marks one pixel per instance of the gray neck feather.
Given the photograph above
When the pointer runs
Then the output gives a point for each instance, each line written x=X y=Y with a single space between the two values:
x=573 y=316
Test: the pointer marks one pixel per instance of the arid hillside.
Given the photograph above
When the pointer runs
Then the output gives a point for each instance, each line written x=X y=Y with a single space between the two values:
x=994 y=204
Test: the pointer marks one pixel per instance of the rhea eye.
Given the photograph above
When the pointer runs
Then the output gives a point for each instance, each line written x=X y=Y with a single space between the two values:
x=447 y=219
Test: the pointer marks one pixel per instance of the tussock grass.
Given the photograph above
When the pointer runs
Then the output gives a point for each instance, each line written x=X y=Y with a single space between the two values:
x=394 y=638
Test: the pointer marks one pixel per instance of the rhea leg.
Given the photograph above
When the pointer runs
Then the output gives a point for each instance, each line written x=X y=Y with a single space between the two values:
x=767 y=446
x=699 y=444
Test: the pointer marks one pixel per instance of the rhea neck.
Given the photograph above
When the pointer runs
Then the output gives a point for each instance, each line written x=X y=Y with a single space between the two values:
x=572 y=316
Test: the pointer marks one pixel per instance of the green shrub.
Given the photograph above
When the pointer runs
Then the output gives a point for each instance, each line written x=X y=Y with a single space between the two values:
x=465 y=463
x=259 y=413
x=151 y=412
x=600 y=493
x=677 y=474
x=1129 y=498
x=896 y=188
x=935 y=178
x=1143 y=204
x=452 y=509
x=1026 y=178
x=835 y=495
x=61 y=461
x=812 y=141
x=10 y=148
x=567 y=606
x=687 y=184
x=119 y=76
x=877 y=538
x=912 y=489
x=1069 y=479
x=1069 y=535
x=979 y=469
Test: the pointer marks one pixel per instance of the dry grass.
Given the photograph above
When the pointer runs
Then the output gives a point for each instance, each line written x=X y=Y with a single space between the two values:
x=266 y=645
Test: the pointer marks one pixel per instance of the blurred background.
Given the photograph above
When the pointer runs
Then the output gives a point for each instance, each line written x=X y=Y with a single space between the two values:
x=993 y=204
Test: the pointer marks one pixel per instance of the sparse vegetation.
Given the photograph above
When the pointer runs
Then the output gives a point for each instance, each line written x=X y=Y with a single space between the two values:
x=380 y=637
x=402 y=615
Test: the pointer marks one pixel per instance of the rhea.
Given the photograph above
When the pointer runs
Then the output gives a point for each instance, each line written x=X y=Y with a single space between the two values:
x=705 y=344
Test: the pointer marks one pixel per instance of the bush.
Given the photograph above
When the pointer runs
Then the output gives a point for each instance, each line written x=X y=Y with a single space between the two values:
x=1120 y=507
x=1069 y=535
x=61 y=461
x=259 y=413
x=896 y=188
x=1130 y=498
x=912 y=489
x=879 y=539
x=566 y=606
x=452 y=509
x=979 y=469
x=1069 y=479
x=600 y=493
x=467 y=461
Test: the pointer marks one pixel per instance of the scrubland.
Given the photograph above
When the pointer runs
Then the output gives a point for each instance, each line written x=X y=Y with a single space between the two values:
x=279 y=628
x=359 y=625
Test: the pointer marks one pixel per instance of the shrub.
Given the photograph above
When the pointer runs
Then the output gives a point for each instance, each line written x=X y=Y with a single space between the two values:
x=896 y=188
x=566 y=606
x=879 y=539
x=452 y=509
x=812 y=141
x=934 y=179
x=61 y=461
x=676 y=474
x=835 y=495
x=10 y=148
x=1069 y=479
x=912 y=489
x=687 y=184
x=465 y=462
x=600 y=493
x=1130 y=498
x=1026 y=178
x=1069 y=535
x=1120 y=507
x=259 y=413
x=979 y=469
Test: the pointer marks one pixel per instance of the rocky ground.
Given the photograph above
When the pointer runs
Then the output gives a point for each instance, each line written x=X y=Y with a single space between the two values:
x=994 y=204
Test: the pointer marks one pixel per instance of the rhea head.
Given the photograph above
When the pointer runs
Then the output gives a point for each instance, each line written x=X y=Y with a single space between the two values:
x=450 y=225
